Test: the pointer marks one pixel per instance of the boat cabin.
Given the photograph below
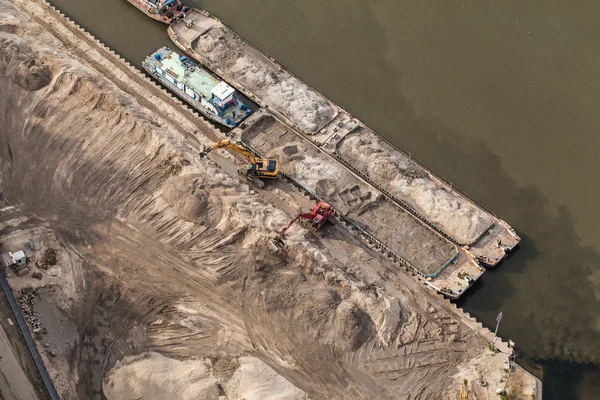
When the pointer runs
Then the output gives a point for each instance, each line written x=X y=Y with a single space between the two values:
x=214 y=95
x=161 y=6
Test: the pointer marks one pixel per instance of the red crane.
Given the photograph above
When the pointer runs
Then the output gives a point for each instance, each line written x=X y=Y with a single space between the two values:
x=317 y=217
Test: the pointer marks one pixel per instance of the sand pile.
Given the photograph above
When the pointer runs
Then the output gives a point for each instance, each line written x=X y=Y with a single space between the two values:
x=187 y=196
x=255 y=380
x=280 y=90
x=152 y=376
x=456 y=216
x=312 y=306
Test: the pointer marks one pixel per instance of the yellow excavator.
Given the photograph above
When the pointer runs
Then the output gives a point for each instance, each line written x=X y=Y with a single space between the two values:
x=463 y=391
x=257 y=167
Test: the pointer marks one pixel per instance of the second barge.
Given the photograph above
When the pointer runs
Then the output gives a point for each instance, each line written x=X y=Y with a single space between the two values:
x=207 y=93
x=166 y=11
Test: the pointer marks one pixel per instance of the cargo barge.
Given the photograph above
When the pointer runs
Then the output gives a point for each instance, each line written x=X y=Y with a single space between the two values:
x=166 y=11
x=197 y=86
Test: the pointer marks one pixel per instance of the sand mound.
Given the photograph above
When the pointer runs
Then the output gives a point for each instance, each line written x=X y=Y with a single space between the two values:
x=406 y=180
x=279 y=89
x=351 y=327
x=255 y=380
x=312 y=306
x=153 y=376
x=21 y=64
x=191 y=207
x=187 y=197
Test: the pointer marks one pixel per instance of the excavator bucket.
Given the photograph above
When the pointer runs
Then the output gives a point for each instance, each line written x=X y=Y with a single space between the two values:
x=204 y=151
x=276 y=244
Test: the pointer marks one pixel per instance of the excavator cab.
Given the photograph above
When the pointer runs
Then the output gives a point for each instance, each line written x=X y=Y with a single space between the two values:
x=265 y=168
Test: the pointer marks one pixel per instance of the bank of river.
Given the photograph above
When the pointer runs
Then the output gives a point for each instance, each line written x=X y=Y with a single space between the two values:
x=500 y=99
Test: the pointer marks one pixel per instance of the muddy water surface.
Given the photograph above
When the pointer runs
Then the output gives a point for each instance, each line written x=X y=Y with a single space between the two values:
x=500 y=98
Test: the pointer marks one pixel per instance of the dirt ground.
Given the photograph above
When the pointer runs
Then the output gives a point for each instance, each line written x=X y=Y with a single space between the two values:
x=164 y=285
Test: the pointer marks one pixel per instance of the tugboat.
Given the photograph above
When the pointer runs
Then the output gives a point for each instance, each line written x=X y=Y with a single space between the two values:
x=199 y=87
x=166 y=11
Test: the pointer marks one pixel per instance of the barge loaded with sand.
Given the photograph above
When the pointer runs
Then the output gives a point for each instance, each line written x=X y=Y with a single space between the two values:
x=197 y=86
x=392 y=177
x=166 y=11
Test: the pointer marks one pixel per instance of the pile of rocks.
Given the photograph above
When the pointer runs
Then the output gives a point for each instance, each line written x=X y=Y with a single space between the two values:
x=26 y=301
x=48 y=259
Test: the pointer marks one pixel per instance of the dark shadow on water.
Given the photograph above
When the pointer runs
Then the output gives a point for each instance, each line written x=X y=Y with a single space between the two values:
x=549 y=305
x=566 y=381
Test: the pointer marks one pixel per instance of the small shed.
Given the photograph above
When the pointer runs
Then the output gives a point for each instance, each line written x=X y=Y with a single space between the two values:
x=19 y=258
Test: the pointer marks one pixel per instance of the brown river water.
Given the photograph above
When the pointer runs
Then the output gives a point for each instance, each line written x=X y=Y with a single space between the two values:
x=500 y=98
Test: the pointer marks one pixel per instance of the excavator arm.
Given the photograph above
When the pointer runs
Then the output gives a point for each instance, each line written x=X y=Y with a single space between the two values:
x=256 y=169
x=226 y=143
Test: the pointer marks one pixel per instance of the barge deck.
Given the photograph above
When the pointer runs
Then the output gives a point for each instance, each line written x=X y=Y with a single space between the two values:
x=194 y=84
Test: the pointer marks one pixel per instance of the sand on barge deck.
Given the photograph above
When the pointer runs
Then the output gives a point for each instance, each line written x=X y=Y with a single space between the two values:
x=412 y=186
x=451 y=272
x=206 y=39
x=422 y=193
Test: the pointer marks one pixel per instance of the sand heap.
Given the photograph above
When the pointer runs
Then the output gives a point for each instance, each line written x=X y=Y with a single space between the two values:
x=152 y=376
x=19 y=62
x=398 y=174
x=280 y=90
x=188 y=197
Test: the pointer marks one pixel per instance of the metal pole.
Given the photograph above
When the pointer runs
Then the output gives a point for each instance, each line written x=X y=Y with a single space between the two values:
x=498 y=318
x=510 y=367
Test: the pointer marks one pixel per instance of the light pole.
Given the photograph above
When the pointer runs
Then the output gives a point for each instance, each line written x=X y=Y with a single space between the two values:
x=498 y=318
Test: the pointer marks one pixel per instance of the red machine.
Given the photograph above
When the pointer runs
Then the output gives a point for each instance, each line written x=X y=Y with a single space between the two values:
x=315 y=219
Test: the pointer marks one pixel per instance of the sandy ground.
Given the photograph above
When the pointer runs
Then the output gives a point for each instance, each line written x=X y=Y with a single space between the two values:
x=153 y=376
x=163 y=272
